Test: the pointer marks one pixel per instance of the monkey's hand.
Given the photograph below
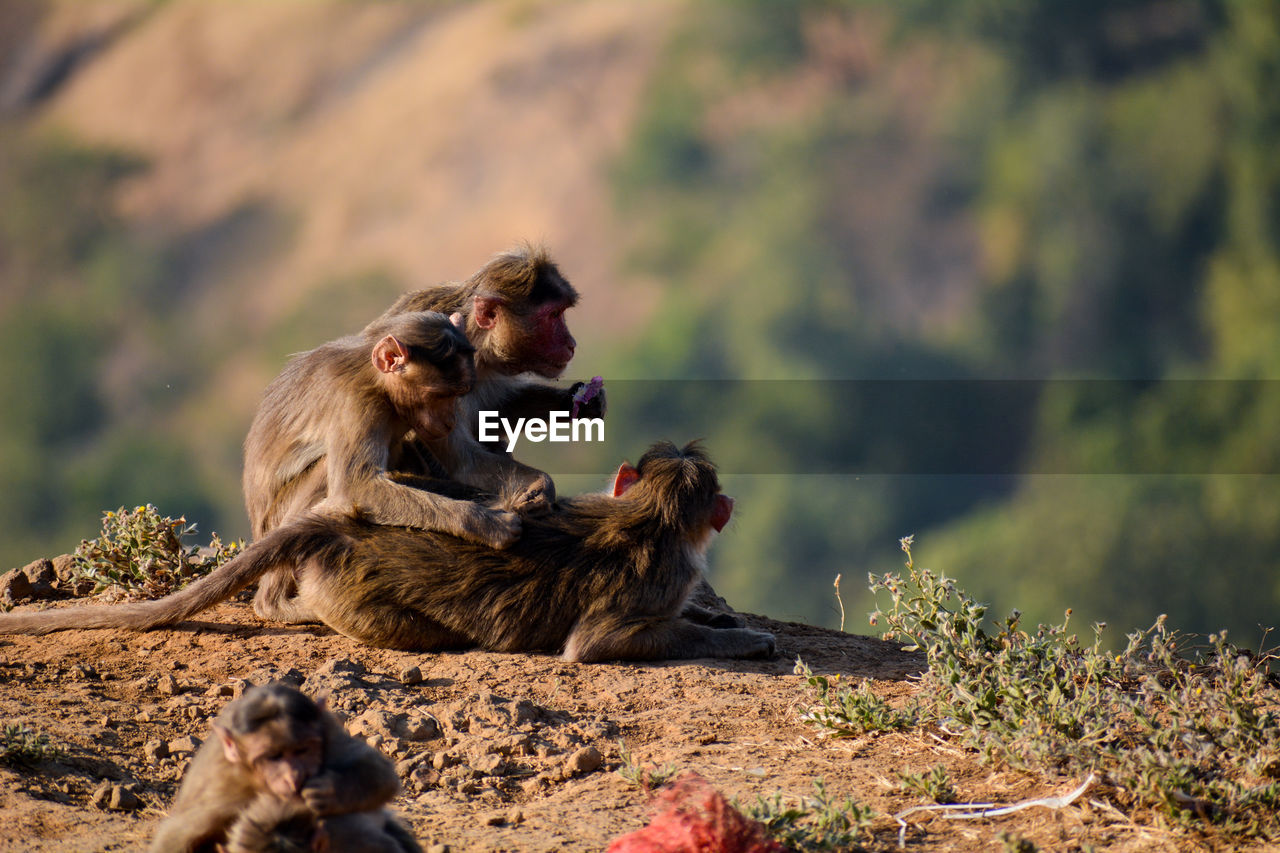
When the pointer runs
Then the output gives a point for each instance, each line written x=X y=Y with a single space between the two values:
x=493 y=527
x=320 y=793
x=537 y=498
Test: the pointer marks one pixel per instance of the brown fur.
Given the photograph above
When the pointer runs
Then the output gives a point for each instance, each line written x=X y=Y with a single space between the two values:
x=271 y=825
x=336 y=419
x=598 y=578
x=268 y=741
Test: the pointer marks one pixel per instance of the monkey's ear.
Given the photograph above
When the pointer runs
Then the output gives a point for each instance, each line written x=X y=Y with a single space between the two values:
x=486 y=311
x=230 y=749
x=458 y=320
x=626 y=477
x=389 y=355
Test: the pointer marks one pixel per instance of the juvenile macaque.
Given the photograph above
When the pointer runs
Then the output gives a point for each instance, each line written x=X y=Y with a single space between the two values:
x=272 y=825
x=277 y=742
x=335 y=421
x=514 y=309
x=601 y=577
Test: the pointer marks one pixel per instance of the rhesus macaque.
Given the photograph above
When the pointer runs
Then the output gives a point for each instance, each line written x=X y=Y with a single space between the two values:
x=600 y=577
x=514 y=309
x=274 y=741
x=335 y=420
x=272 y=825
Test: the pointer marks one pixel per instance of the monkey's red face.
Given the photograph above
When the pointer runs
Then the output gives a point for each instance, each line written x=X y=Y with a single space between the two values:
x=550 y=346
x=721 y=512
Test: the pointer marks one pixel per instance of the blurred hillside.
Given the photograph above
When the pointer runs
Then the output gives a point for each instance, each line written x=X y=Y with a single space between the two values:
x=192 y=191
x=1046 y=232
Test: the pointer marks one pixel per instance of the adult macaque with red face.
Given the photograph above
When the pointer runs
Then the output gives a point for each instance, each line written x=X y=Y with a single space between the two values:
x=514 y=311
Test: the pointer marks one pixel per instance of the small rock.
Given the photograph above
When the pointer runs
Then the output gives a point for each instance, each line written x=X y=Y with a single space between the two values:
x=405 y=766
x=64 y=571
x=420 y=728
x=15 y=587
x=375 y=722
x=108 y=722
x=220 y=690
x=101 y=795
x=469 y=787
x=583 y=761
x=291 y=676
x=515 y=816
x=42 y=577
x=341 y=666
x=444 y=760
x=184 y=745
x=535 y=784
x=424 y=777
x=155 y=750
x=122 y=799
x=411 y=675
x=168 y=685
x=495 y=819
x=488 y=765
x=84 y=672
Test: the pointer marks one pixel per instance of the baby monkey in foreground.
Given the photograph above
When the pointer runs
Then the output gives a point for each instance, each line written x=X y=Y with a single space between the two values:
x=273 y=742
x=600 y=577
x=271 y=825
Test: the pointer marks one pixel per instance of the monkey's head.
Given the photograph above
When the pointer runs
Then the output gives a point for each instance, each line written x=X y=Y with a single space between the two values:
x=518 y=303
x=271 y=825
x=425 y=363
x=680 y=485
x=277 y=735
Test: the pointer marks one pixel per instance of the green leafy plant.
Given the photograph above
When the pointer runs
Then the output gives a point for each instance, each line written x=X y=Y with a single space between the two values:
x=22 y=747
x=934 y=785
x=817 y=822
x=644 y=777
x=141 y=554
x=843 y=711
x=1189 y=730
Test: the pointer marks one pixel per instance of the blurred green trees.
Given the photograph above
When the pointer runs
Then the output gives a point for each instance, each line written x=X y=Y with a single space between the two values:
x=1028 y=190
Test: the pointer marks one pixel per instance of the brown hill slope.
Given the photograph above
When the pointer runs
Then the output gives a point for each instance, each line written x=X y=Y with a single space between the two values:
x=416 y=138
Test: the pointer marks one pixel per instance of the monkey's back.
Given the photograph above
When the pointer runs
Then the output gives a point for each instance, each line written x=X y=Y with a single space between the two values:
x=527 y=597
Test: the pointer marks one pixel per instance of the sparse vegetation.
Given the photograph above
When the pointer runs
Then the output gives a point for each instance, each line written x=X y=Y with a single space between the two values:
x=1184 y=734
x=645 y=777
x=848 y=711
x=22 y=747
x=818 y=822
x=141 y=554
x=934 y=785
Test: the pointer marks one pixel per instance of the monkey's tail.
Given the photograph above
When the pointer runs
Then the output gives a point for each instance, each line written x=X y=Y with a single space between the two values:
x=284 y=545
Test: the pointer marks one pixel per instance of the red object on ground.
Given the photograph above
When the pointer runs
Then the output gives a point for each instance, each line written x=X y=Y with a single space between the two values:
x=696 y=818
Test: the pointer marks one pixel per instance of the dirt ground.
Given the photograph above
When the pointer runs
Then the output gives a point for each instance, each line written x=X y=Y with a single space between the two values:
x=496 y=751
